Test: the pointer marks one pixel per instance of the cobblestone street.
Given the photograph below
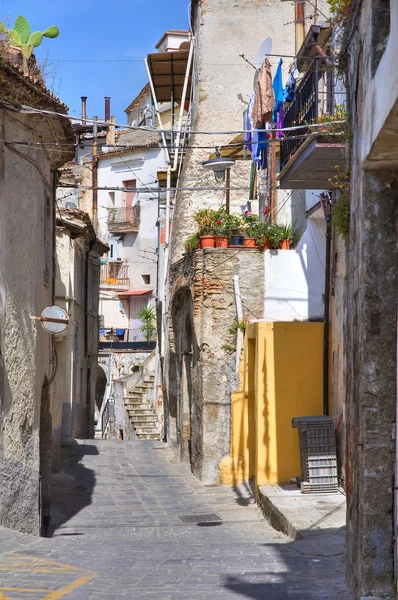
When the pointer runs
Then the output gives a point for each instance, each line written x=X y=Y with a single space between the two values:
x=116 y=532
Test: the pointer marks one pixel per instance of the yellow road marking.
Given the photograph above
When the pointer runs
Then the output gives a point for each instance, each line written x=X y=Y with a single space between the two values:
x=34 y=564
x=7 y=589
x=56 y=594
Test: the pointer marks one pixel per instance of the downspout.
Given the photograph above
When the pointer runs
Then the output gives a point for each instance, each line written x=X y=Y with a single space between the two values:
x=170 y=170
x=95 y=175
x=396 y=475
x=326 y=327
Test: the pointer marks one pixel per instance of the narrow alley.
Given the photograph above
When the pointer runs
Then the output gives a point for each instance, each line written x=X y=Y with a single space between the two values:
x=117 y=531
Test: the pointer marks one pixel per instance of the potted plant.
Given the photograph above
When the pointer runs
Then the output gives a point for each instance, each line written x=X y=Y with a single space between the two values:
x=206 y=220
x=221 y=228
x=275 y=235
x=232 y=228
x=287 y=234
x=191 y=243
x=262 y=238
x=251 y=225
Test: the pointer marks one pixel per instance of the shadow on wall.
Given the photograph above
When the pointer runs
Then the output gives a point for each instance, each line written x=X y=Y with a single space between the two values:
x=100 y=387
x=72 y=489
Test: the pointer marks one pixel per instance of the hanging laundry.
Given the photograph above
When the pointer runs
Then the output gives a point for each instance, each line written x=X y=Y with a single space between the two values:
x=248 y=121
x=291 y=83
x=264 y=100
x=277 y=86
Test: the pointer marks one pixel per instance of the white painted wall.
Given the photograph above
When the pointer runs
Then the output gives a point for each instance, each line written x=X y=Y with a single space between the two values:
x=295 y=279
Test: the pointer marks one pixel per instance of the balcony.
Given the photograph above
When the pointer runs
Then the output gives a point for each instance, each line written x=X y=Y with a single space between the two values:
x=124 y=220
x=115 y=274
x=311 y=157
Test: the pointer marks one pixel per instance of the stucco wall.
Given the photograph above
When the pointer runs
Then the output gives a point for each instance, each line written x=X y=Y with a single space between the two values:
x=26 y=212
x=371 y=319
x=295 y=279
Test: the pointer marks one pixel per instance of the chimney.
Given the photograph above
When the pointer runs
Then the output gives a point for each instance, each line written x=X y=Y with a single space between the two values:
x=84 y=109
x=107 y=108
x=110 y=133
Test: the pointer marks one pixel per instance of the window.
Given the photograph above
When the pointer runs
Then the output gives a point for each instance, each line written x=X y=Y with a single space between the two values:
x=111 y=199
x=146 y=279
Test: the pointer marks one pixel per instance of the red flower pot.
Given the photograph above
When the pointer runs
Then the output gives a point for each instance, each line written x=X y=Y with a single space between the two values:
x=267 y=244
x=285 y=245
x=249 y=242
x=207 y=241
x=221 y=242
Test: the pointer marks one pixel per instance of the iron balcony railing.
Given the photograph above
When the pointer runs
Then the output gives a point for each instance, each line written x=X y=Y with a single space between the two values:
x=115 y=273
x=304 y=109
x=122 y=219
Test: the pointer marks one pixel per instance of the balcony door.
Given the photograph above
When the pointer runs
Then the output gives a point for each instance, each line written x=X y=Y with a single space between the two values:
x=128 y=200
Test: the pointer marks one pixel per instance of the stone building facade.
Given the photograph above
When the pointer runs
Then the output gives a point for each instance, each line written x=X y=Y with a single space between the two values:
x=370 y=48
x=201 y=367
x=27 y=218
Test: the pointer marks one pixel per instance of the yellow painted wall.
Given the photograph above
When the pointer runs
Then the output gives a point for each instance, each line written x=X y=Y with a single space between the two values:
x=281 y=378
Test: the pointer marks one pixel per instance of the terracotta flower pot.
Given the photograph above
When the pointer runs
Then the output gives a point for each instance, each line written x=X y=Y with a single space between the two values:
x=221 y=242
x=249 y=242
x=207 y=241
x=285 y=245
x=267 y=244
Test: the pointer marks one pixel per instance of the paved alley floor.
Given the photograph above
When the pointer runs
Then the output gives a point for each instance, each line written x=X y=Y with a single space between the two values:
x=123 y=527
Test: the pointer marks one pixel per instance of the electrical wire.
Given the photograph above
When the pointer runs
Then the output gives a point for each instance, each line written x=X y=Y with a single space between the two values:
x=24 y=109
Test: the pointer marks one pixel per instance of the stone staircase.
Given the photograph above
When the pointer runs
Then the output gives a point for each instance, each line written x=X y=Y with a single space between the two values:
x=142 y=414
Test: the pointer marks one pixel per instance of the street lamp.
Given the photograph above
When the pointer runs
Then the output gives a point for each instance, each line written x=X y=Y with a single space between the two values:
x=219 y=165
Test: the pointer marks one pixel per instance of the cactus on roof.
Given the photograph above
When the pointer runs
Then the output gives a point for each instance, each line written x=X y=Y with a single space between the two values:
x=21 y=37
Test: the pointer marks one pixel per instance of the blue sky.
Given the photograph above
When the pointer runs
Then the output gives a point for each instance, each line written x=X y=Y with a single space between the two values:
x=98 y=30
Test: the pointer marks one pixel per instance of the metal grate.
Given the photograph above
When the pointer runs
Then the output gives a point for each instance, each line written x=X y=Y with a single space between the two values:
x=210 y=518
x=317 y=454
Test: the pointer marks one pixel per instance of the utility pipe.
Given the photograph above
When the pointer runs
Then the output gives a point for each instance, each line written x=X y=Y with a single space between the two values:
x=239 y=314
x=326 y=336
x=95 y=175
x=396 y=475
x=299 y=24
x=157 y=111
x=170 y=170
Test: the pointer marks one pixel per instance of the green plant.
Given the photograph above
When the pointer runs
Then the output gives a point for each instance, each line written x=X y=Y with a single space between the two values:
x=148 y=319
x=21 y=37
x=228 y=348
x=287 y=232
x=275 y=235
x=340 y=11
x=191 y=243
x=327 y=125
x=341 y=215
x=237 y=325
x=206 y=219
x=262 y=233
x=250 y=228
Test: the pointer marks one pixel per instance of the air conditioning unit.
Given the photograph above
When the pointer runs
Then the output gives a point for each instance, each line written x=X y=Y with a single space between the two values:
x=119 y=260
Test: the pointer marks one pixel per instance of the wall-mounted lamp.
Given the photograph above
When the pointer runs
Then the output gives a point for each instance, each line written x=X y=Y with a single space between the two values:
x=219 y=165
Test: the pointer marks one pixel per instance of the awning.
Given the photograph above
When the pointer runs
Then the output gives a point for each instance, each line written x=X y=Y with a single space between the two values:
x=234 y=149
x=168 y=73
x=134 y=293
x=317 y=35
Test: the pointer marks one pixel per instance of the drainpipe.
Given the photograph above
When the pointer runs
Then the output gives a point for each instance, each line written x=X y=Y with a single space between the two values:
x=299 y=23
x=328 y=217
x=95 y=174
x=396 y=477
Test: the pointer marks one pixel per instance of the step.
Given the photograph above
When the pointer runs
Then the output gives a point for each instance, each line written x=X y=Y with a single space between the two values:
x=145 y=421
x=143 y=415
x=140 y=407
x=147 y=430
x=134 y=395
x=148 y=436
x=144 y=388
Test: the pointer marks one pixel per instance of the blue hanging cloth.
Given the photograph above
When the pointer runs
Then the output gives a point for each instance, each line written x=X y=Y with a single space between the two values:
x=277 y=86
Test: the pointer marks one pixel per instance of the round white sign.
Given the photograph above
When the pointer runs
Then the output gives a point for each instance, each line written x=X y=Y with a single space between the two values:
x=54 y=319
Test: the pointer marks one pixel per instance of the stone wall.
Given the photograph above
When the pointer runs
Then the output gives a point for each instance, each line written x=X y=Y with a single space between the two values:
x=26 y=212
x=201 y=363
x=370 y=359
